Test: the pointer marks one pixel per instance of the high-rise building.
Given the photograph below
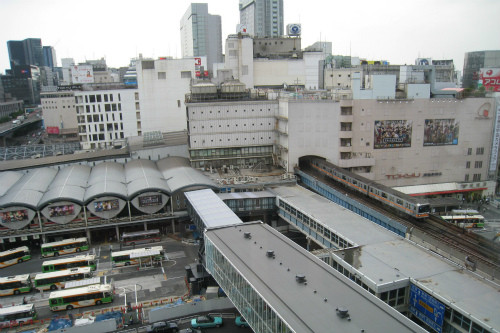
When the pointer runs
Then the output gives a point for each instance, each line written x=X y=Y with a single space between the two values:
x=25 y=52
x=262 y=18
x=474 y=61
x=201 y=34
x=49 y=56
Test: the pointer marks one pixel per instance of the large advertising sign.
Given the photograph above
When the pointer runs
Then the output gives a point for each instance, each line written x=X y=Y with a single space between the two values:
x=441 y=132
x=150 y=200
x=104 y=206
x=489 y=78
x=82 y=74
x=62 y=210
x=392 y=134
x=52 y=130
x=14 y=216
x=426 y=308
x=199 y=64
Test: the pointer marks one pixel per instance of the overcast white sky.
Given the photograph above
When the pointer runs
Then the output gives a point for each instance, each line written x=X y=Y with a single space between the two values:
x=395 y=30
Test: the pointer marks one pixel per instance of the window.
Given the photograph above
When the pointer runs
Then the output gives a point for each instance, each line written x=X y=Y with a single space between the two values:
x=476 y=177
x=185 y=75
x=466 y=178
x=469 y=151
x=467 y=165
x=478 y=164
x=480 y=151
x=162 y=75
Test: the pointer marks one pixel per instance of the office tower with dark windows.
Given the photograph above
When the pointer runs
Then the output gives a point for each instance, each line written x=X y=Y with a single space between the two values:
x=25 y=52
x=49 y=56
x=262 y=18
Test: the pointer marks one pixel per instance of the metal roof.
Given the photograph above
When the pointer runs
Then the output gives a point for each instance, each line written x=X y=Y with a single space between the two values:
x=179 y=175
x=211 y=209
x=69 y=184
x=29 y=189
x=143 y=175
x=8 y=179
x=246 y=195
x=107 y=178
x=307 y=307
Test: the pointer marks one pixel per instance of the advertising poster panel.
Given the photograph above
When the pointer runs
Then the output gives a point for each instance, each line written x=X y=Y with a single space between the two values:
x=392 y=134
x=200 y=63
x=104 y=206
x=489 y=78
x=441 y=132
x=150 y=200
x=14 y=216
x=82 y=74
x=63 y=210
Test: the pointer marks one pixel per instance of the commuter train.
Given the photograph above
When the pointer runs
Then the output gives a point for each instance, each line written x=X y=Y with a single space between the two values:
x=403 y=203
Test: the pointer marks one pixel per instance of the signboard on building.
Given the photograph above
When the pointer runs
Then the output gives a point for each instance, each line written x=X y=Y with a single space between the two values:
x=150 y=200
x=426 y=308
x=489 y=78
x=392 y=134
x=82 y=74
x=200 y=66
x=496 y=141
x=441 y=132
x=52 y=130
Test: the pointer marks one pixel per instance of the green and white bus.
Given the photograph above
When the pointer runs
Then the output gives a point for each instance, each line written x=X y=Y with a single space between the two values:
x=57 y=280
x=66 y=246
x=14 y=256
x=15 y=285
x=86 y=260
x=69 y=299
x=146 y=255
x=17 y=315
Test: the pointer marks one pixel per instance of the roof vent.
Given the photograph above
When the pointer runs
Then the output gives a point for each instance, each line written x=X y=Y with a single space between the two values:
x=300 y=278
x=342 y=312
x=247 y=235
x=270 y=253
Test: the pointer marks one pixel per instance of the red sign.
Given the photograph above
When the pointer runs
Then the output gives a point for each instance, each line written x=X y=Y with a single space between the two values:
x=490 y=79
x=52 y=130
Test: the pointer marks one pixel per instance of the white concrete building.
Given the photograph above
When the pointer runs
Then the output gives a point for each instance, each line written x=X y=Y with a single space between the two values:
x=162 y=86
x=106 y=117
x=59 y=112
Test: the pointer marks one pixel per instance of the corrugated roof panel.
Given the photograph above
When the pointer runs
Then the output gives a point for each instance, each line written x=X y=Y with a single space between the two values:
x=211 y=209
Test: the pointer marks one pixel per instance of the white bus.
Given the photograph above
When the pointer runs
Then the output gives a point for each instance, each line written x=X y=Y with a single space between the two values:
x=57 y=280
x=14 y=256
x=65 y=246
x=69 y=299
x=133 y=257
x=14 y=285
x=66 y=263
x=141 y=237
x=16 y=315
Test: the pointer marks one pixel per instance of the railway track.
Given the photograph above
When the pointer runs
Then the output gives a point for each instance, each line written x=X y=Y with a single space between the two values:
x=477 y=250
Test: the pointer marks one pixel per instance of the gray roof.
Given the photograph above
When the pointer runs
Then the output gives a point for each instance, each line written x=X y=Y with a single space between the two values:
x=246 y=195
x=303 y=307
x=107 y=178
x=29 y=189
x=179 y=175
x=69 y=184
x=384 y=257
x=143 y=176
x=8 y=179
x=211 y=209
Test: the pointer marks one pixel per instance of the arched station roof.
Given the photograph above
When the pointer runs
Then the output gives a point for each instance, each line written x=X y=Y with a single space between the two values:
x=69 y=184
x=107 y=178
x=143 y=176
x=180 y=175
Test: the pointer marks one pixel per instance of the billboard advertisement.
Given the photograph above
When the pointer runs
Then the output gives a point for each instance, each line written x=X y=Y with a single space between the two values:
x=426 y=308
x=392 y=134
x=489 y=78
x=104 y=206
x=82 y=74
x=52 y=130
x=441 y=132
x=14 y=216
x=150 y=200
x=200 y=66
x=63 y=210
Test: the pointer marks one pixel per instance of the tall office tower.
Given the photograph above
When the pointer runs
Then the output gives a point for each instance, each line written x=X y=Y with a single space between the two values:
x=263 y=18
x=49 y=56
x=25 y=52
x=201 y=34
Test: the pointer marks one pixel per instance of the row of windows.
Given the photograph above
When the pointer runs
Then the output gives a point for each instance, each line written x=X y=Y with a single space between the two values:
x=220 y=126
x=477 y=164
x=250 y=204
x=318 y=227
x=101 y=137
x=479 y=151
x=346 y=273
x=232 y=152
x=97 y=98
x=98 y=118
x=475 y=177
x=229 y=139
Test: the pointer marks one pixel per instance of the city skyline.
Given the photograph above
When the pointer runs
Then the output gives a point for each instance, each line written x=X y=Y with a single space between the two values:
x=119 y=31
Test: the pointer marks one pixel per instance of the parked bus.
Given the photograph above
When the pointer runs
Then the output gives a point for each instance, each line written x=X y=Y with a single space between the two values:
x=87 y=260
x=66 y=246
x=69 y=299
x=465 y=221
x=464 y=212
x=17 y=315
x=141 y=237
x=133 y=257
x=14 y=256
x=58 y=279
x=14 y=285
